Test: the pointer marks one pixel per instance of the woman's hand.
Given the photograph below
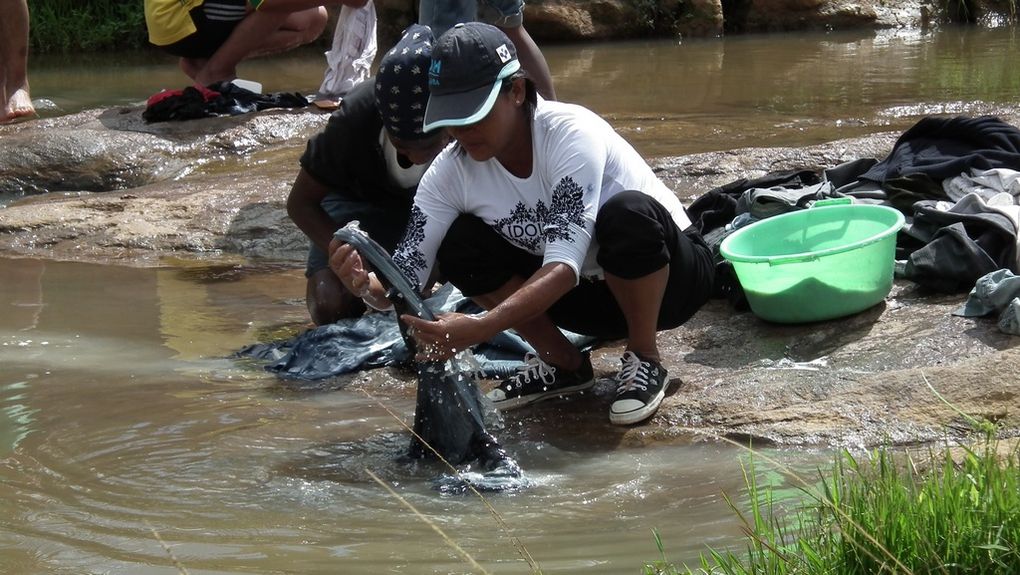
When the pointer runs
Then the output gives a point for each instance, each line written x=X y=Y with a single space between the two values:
x=442 y=339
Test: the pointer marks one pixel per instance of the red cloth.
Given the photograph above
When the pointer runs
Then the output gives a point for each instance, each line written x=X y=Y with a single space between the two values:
x=207 y=95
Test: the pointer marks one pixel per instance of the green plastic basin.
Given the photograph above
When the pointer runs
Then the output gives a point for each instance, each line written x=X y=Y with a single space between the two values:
x=816 y=264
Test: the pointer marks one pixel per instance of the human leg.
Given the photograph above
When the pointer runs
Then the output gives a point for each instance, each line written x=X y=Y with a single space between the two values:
x=441 y=15
x=261 y=33
x=659 y=277
x=192 y=66
x=488 y=269
x=327 y=299
x=508 y=16
x=14 y=60
x=226 y=34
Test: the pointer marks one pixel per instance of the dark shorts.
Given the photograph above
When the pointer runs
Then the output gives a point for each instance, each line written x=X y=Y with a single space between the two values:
x=636 y=237
x=384 y=224
x=214 y=21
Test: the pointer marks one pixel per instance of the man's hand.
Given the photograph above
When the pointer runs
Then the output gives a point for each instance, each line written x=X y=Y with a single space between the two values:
x=346 y=263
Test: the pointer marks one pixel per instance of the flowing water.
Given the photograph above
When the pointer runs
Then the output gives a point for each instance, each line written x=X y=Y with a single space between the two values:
x=131 y=442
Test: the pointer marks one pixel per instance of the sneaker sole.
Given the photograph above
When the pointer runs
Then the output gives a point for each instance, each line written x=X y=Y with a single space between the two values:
x=525 y=400
x=638 y=415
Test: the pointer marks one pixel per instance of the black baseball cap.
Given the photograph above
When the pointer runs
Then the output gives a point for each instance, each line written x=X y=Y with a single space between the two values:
x=469 y=63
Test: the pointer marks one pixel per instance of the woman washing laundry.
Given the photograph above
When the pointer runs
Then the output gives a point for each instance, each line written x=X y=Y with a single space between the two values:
x=547 y=218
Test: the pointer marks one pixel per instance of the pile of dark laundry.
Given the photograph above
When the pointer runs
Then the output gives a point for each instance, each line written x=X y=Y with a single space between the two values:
x=956 y=181
x=219 y=99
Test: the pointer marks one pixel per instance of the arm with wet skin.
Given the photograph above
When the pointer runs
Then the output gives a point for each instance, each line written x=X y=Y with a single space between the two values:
x=454 y=332
x=348 y=265
x=304 y=206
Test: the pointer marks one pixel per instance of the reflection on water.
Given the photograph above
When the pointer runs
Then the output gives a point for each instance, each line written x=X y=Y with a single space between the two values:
x=124 y=423
x=673 y=98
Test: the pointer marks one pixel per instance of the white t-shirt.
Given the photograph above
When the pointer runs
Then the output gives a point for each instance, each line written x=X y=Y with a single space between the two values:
x=579 y=162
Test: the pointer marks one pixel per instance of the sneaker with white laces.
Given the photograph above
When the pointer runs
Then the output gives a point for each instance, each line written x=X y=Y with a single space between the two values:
x=537 y=380
x=642 y=385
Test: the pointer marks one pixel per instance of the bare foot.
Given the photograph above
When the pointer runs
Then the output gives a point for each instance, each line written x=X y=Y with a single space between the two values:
x=208 y=77
x=202 y=74
x=19 y=105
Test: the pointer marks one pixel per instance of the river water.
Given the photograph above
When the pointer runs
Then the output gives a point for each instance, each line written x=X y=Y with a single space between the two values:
x=132 y=443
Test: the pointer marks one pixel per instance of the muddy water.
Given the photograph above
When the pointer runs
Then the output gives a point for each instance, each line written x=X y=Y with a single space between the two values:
x=673 y=97
x=127 y=430
x=131 y=443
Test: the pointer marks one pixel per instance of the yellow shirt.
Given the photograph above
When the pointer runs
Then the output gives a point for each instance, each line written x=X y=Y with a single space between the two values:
x=169 y=21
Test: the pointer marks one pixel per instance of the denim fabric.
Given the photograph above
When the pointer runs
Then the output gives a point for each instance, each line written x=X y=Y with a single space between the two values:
x=385 y=223
x=441 y=15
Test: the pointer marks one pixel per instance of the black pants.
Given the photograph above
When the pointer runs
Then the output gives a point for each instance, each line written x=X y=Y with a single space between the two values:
x=636 y=237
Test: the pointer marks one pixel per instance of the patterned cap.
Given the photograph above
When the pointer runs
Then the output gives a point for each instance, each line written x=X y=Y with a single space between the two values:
x=402 y=84
x=469 y=64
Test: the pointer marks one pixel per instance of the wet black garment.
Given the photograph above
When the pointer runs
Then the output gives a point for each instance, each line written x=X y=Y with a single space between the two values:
x=448 y=418
x=346 y=156
x=948 y=251
x=938 y=148
x=191 y=104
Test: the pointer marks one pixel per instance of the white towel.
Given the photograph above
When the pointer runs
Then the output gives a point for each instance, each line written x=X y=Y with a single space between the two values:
x=350 y=58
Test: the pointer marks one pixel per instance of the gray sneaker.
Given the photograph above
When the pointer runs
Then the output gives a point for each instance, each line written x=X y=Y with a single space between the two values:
x=642 y=385
x=536 y=380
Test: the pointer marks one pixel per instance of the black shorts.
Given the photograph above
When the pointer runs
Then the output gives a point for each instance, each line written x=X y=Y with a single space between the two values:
x=214 y=21
x=636 y=237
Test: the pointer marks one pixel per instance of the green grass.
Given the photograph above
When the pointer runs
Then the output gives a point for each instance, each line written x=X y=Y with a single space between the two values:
x=69 y=25
x=887 y=514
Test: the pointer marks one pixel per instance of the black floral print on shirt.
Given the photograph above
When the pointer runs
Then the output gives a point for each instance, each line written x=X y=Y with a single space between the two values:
x=567 y=208
x=407 y=257
x=528 y=227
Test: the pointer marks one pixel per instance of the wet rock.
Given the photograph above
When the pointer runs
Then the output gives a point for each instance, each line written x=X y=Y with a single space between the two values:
x=852 y=382
x=115 y=149
x=226 y=214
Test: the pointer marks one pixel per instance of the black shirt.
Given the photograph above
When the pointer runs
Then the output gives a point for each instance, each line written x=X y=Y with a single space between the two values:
x=347 y=157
